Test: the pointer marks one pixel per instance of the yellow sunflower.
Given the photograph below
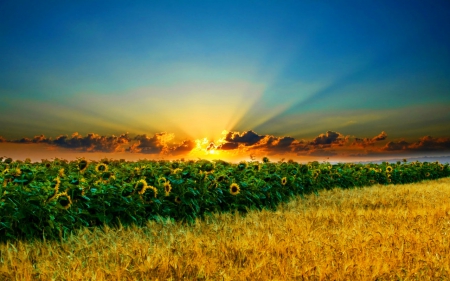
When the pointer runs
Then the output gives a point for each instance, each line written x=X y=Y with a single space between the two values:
x=101 y=167
x=177 y=200
x=234 y=189
x=141 y=186
x=17 y=172
x=167 y=188
x=61 y=173
x=427 y=175
x=65 y=203
x=389 y=169
x=283 y=181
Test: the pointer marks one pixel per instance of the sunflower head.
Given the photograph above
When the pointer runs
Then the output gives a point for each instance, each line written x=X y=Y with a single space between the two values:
x=427 y=174
x=265 y=160
x=17 y=172
x=101 y=167
x=220 y=178
x=242 y=165
x=65 y=200
x=316 y=174
x=82 y=165
x=389 y=169
x=141 y=186
x=234 y=189
x=283 y=181
x=167 y=188
x=177 y=200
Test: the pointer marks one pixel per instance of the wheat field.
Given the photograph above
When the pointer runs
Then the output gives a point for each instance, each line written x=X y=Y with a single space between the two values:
x=394 y=232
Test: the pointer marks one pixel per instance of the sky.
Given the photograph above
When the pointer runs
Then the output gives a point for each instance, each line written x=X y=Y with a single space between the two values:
x=231 y=80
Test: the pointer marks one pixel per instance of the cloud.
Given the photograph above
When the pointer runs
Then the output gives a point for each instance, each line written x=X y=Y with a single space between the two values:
x=364 y=142
x=185 y=147
x=270 y=145
x=159 y=144
x=329 y=139
x=92 y=142
x=247 y=138
x=426 y=143
x=151 y=145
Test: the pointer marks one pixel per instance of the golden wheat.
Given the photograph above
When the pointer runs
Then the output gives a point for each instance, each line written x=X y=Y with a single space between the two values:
x=375 y=233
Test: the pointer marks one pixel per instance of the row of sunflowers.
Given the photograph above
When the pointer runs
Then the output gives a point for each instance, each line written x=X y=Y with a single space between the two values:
x=50 y=199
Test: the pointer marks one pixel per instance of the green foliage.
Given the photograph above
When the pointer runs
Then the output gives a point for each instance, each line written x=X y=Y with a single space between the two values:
x=50 y=199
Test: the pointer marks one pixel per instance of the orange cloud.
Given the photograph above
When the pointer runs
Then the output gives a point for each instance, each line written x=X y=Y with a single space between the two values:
x=426 y=143
x=364 y=142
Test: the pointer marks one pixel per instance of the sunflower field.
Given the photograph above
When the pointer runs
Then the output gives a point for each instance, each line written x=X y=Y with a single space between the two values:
x=50 y=199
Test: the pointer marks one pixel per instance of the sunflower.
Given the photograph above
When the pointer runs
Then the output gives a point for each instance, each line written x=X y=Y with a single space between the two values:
x=427 y=175
x=177 y=170
x=5 y=171
x=58 y=182
x=143 y=193
x=27 y=160
x=141 y=186
x=242 y=165
x=101 y=167
x=61 y=173
x=389 y=169
x=82 y=165
x=442 y=167
x=220 y=178
x=65 y=202
x=234 y=188
x=177 y=200
x=56 y=189
x=316 y=174
x=283 y=181
x=167 y=188
x=17 y=172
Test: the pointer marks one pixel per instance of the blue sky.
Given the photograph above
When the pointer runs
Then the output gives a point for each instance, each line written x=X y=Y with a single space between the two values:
x=193 y=69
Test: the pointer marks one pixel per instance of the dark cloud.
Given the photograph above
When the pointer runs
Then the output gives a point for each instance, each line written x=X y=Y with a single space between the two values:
x=429 y=143
x=364 y=142
x=151 y=145
x=228 y=146
x=158 y=144
x=328 y=139
x=247 y=138
x=396 y=145
x=426 y=143
x=185 y=147
x=36 y=139
x=380 y=137
x=92 y=142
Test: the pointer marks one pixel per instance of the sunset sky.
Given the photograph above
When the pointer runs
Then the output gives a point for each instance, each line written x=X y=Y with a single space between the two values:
x=302 y=80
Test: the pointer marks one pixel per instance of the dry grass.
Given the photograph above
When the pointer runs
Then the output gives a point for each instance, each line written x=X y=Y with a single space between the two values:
x=375 y=233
